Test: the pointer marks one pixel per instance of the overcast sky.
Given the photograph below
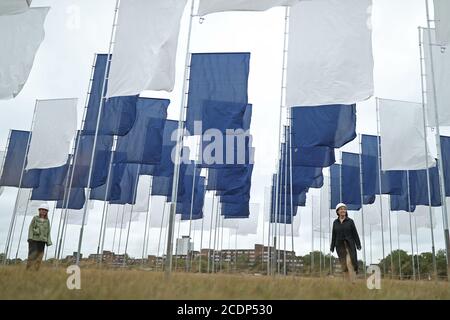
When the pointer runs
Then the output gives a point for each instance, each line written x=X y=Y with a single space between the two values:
x=77 y=29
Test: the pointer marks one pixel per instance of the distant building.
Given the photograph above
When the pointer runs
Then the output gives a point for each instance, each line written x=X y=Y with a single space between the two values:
x=184 y=245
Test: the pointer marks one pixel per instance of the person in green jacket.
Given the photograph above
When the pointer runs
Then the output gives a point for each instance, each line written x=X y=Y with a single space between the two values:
x=38 y=237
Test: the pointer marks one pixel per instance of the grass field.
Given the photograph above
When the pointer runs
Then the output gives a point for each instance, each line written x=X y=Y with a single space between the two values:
x=50 y=283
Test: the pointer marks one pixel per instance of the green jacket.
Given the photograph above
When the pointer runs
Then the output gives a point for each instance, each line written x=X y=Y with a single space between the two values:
x=39 y=230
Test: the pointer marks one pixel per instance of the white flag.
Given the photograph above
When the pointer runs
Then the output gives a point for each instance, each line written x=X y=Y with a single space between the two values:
x=403 y=223
x=21 y=35
x=160 y=211
x=142 y=194
x=442 y=20
x=53 y=131
x=210 y=6
x=2 y=160
x=75 y=217
x=441 y=66
x=8 y=7
x=330 y=58
x=145 y=51
x=402 y=136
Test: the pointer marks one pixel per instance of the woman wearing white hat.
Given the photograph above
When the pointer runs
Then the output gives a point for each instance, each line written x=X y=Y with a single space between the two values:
x=38 y=237
x=346 y=240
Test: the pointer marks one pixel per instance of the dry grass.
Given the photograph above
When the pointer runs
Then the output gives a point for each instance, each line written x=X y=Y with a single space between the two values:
x=50 y=283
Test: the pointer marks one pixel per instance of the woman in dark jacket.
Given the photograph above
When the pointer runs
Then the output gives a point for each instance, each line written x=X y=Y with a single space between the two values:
x=346 y=240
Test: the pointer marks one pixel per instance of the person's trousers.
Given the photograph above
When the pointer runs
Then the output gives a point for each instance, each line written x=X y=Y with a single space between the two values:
x=35 y=254
x=346 y=264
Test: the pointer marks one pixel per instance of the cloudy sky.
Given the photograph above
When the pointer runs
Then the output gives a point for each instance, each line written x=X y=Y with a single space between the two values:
x=77 y=29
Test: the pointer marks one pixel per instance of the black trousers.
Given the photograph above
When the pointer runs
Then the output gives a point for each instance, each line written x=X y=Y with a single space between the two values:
x=35 y=254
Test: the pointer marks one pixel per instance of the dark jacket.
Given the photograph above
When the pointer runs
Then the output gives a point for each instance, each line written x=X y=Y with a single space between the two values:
x=345 y=232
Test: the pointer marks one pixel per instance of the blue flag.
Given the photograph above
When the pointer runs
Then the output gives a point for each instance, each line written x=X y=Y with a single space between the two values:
x=82 y=162
x=52 y=183
x=217 y=78
x=418 y=187
x=331 y=126
x=445 y=146
x=76 y=200
x=235 y=210
x=118 y=113
x=143 y=143
x=402 y=201
x=15 y=162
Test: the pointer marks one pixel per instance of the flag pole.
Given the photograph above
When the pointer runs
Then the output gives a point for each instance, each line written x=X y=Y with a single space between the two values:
x=379 y=183
x=23 y=224
x=178 y=147
x=312 y=236
x=102 y=102
x=422 y=77
x=329 y=221
x=285 y=198
x=13 y=218
x=215 y=235
x=380 y=189
x=438 y=145
x=115 y=228
x=417 y=248
x=210 y=232
x=398 y=243
x=147 y=222
x=105 y=199
x=410 y=226
x=138 y=169
x=362 y=207
x=201 y=242
x=291 y=191
x=160 y=234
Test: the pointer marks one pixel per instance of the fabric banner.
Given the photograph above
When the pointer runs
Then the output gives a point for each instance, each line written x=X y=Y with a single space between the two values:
x=14 y=163
x=52 y=183
x=372 y=215
x=143 y=194
x=75 y=217
x=418 y=187
x=54 y=128
x=235 y=210
x=402 y=201
x=166 y=166
x=249 y=225
x=24 y=205
x=2 y=160
x=76 y=200
x=118 y=113
x=211 y=6
x=313 y=156
x=351 y=182
x=217 y=80
x=445 y=147
x=8 y=7
x=82 y=160
x=330 y=58
x=402 y=136
x=119 y=216
x=143 y=143
x=442 y=21
x=331 y=126
x=113 y=190
x=199 y=199
x=21 y=35
x=145 y=46
x=441 y=68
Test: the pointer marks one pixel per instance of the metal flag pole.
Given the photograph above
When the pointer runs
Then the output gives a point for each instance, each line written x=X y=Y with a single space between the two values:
x=320 y=234
x=269 y=239
x=362 y=207
x=417 y=248
x=105 y=199
x=329 y=222
x=165 y=240
x=121 y=228
x=191 y=209
x=51 y=223
x=312 y=236
x=215 y=234
x=380 y=189
x=410 y=226
x=179 y=145
x=115 y=228
x=160 y=233
x=23 y=224
x=210 y=232
x=291 y=190
x=422 y=78
x=438 y=145
x=221 y=243
x=74 y=162
x=147 y=222
x=175 y=267
x=370 y=240
x=398 y=244
x=390 y=238
x=285 y=200
x=138 y=169
x=282 y=104
x=13 y=218
x=379 y=184
x=102 y=102
x=201 y=244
